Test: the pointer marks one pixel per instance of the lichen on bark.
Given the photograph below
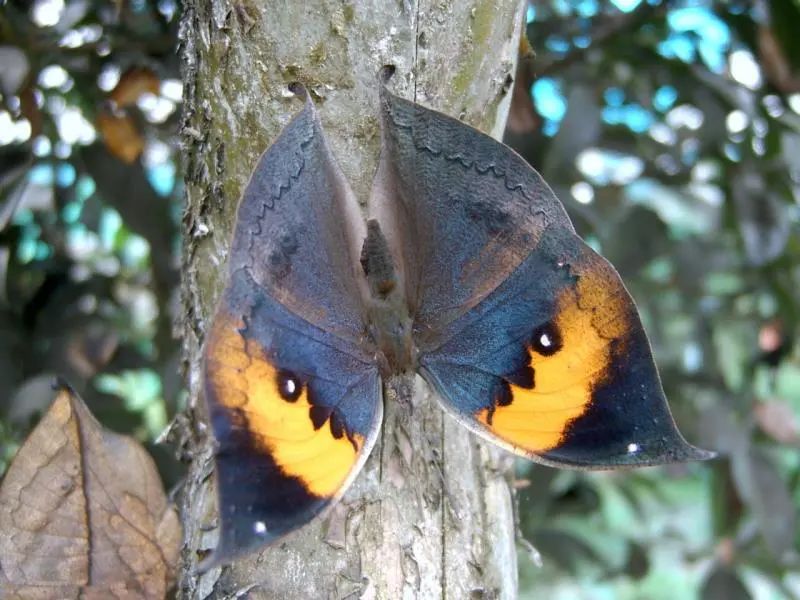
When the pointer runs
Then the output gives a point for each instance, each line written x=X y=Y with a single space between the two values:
x=431 y=513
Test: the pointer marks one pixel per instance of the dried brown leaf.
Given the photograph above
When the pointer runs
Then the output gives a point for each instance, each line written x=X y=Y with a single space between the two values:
x=83 y=513
x=133 y=83
x=121 y=136
x=522 y=120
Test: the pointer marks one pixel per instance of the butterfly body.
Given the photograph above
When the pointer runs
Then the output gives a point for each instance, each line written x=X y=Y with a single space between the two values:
x=469 y=273
x=387 y=317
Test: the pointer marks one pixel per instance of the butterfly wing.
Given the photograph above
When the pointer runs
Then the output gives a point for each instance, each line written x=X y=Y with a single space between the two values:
x=528 y=336
x=291 y=387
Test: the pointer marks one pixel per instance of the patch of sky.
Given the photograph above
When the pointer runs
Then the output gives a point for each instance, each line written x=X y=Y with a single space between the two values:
x=109 y=77
x=581 y=41
x=690 y=150
x=697 y=30
x=678 y=46
x=53 y=76
x=26 y=250
x=71 y=212
x=530 y=14
x=46 y=13
x=167 y=8
x=43 y=250
x=80 y=242
x=626 y=5
x=550 y=127
x=557 y=44
x=73 y=128
x=732 y=152
x=583 y=192
x=744 y=69
x=550 y=102
x=664 y=98
x=587 y=8
x=162 y=178
x=108 y=228
x=702 y=21
x=41 y=174
x=84 y=188
x=614 y=96
x=685 y=115
x=712 y=54
x=633 y=116
x=602 y=167
x=41 y=146
x=562 y=7
x=30 y=247
x=135 y=251
x=65 y=175
x=794 y=103
x=23 y=217
x=692 y=358
x=13 y=131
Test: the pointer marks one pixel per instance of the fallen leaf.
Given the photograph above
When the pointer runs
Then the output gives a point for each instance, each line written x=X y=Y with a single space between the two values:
x=83 y=513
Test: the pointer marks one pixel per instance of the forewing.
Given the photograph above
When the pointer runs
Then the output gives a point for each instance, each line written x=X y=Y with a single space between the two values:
x=529 y=337
x=459 y=210
x=291 y=386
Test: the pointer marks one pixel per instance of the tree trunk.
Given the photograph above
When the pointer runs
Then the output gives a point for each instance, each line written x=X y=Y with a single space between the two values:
x=431 y=514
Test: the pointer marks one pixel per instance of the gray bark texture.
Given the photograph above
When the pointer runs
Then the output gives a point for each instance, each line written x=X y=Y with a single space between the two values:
x=431 y=514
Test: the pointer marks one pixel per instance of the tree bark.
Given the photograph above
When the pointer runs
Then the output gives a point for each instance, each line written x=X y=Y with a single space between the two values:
x=431 y=514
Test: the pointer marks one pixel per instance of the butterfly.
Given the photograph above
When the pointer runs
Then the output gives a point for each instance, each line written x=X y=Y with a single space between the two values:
x=469 y=273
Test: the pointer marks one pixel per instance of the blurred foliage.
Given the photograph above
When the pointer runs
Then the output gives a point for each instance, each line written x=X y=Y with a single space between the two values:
x=671 y=131
x=89 y=213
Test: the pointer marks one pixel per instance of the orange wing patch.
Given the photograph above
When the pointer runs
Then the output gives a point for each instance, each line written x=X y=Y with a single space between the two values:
x=277 y=411
x=569 y=357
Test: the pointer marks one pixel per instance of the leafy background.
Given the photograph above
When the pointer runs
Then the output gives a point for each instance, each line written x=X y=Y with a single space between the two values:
x=670 y=130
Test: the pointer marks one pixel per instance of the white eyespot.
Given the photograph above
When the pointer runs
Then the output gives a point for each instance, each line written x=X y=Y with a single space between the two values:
x=260 y=527
x=290 y=386
x=545 y=340
x=633 y=448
